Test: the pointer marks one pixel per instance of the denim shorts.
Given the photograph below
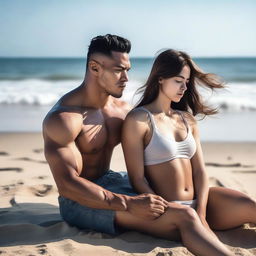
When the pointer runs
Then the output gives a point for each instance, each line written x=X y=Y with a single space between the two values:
x=84 y=217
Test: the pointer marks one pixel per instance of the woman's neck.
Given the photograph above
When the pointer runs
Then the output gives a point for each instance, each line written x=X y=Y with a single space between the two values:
x=162 y=105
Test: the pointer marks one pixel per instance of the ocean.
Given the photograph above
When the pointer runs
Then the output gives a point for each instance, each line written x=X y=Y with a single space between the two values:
x=30 y=86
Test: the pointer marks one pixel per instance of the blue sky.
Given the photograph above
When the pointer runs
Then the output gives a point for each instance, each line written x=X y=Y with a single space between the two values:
x=64 y=28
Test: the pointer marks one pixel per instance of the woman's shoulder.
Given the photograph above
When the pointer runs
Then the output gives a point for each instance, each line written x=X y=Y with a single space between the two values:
x=138 y=113
x=190 y=119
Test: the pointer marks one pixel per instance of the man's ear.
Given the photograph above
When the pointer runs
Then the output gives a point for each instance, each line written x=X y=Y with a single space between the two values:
x=93 y=67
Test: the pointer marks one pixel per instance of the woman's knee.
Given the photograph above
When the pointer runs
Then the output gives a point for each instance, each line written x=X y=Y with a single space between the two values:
x=248 y=203
x=183 y=215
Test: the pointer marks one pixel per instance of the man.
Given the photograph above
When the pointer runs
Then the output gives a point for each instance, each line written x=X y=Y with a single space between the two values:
x=80 y=133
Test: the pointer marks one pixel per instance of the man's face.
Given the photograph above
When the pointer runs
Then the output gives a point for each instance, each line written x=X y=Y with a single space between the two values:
x=113 y=73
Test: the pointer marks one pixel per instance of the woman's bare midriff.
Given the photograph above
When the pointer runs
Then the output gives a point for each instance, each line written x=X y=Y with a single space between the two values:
x=172 y=180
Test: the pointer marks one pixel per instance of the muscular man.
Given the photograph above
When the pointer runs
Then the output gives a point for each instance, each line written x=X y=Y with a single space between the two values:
x=80 y=133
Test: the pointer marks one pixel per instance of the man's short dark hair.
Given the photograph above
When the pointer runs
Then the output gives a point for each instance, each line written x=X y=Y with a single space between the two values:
x=106 y=44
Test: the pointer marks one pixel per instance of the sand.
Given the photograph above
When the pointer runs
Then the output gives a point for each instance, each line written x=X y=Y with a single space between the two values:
x=30 y=223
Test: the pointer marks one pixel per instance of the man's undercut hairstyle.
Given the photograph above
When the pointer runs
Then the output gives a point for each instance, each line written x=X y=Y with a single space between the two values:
x=106 y=44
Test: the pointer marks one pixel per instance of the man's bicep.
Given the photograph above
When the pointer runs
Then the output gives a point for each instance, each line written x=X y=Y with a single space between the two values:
x=64 y=163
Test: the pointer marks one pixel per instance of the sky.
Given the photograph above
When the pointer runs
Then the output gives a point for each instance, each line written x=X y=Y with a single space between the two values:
x=62 y=28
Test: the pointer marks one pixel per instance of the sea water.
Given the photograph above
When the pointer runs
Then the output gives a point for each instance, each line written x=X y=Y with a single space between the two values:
x=30 y=86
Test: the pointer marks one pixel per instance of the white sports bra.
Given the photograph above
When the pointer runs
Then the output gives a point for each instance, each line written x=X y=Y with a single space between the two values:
x=162 y=149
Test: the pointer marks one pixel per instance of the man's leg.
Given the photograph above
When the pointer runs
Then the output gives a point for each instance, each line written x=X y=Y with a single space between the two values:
x=177 y=220
x=228 y=208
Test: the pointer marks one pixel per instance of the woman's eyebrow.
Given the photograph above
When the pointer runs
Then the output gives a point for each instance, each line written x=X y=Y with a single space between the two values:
x=182 y=77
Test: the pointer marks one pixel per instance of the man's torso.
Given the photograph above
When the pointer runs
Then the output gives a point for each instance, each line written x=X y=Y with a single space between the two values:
x=99 y=131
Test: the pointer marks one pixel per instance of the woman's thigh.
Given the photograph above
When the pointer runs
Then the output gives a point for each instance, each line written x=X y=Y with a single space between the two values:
x=228 y=208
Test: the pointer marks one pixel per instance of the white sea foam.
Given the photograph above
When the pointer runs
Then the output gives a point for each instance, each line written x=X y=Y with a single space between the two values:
x=34 y=91
x=237 y=97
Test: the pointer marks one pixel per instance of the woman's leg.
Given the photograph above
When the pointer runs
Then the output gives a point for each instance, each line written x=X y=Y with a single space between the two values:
x=228 y=208
x=177 y=220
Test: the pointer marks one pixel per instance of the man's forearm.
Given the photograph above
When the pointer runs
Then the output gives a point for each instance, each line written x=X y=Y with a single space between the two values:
x=92 y=195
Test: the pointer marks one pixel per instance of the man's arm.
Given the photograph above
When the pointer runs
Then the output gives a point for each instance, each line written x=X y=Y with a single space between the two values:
x=65 y=160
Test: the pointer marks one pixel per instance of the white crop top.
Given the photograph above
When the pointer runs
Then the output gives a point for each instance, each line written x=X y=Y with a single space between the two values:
x=162 y=149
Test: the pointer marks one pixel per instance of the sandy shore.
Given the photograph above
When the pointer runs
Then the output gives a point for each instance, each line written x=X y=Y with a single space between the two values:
x=30 y=223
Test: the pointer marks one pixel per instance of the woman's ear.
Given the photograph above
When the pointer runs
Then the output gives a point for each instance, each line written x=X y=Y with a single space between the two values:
x=160 y=80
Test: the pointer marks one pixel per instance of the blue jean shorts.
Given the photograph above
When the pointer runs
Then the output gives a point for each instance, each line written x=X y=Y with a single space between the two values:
x=84 y=217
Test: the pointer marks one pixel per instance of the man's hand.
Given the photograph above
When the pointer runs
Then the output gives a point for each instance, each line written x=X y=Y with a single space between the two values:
x=147 y=206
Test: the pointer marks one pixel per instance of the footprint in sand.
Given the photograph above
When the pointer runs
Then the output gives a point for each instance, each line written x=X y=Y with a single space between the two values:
x=227 y=165
x=245 y=172
x=2 y=153
x=164 y=254
x=42 y=177
x=215 y=182
x=9 y=187
x=13 y=202
x=42 y=190
x=38 y=150
x=7 y=169
x=31 y=160
x=42 y=249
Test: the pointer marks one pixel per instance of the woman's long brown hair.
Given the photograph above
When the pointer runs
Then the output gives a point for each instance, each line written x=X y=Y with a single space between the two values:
x=169 y=64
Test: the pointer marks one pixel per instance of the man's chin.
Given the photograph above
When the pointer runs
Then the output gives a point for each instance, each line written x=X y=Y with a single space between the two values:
x=115 y=95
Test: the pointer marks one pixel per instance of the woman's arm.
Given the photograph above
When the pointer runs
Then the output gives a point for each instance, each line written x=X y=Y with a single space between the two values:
x=134 y=129
x=200 y=177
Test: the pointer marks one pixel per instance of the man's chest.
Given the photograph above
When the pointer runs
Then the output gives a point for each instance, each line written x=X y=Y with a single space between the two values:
x=99 y=130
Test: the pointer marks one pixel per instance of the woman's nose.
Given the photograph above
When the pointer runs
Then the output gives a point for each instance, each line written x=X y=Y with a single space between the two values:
x=184 y=86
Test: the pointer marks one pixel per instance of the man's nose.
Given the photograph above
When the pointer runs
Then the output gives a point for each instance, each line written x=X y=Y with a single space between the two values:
x=125 y=76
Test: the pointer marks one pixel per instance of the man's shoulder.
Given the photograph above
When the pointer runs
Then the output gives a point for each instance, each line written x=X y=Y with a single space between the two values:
x=121 y=104
x=63 y=121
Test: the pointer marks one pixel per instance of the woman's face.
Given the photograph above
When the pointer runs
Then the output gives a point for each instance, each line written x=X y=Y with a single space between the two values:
x=175 y=87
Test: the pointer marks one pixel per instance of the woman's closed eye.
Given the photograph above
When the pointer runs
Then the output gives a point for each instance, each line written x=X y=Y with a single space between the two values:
x=180 y=82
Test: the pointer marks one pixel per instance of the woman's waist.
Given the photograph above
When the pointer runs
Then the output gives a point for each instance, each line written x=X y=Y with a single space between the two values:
x=172 y=181
x=175 y=194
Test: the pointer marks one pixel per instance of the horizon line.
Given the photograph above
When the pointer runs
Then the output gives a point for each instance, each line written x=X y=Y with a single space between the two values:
x=139 y=57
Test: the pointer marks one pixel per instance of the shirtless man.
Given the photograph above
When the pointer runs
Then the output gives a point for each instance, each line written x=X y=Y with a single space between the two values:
x=80 y=133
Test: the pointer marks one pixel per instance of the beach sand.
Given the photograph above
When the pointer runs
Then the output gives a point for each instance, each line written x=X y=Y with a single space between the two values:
x=30 y=223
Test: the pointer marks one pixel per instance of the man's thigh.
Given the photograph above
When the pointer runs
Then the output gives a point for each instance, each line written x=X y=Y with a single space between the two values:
x=85 y=217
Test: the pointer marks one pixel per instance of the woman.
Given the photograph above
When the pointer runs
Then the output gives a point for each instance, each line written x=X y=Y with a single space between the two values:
x=162 y=148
